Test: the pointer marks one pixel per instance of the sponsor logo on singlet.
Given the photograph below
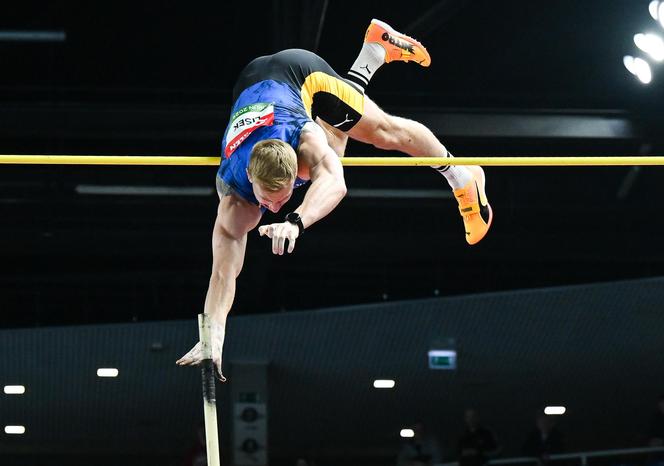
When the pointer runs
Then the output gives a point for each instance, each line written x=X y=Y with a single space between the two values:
x=244 y=122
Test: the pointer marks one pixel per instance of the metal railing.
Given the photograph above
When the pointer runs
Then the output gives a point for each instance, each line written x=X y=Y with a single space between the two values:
x=581 y=456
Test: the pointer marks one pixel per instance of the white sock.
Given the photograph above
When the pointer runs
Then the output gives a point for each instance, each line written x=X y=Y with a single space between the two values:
x=371 y=57
x=457 y=176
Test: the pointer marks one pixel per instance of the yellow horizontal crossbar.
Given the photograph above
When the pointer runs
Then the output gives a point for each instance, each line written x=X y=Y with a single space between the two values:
x=106 y=160
x=347 y=161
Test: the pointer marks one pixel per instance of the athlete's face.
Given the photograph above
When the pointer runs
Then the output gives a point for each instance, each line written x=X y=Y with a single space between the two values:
x=272 y=200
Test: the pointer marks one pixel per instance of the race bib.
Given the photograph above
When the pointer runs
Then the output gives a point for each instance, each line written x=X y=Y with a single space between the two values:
x=244 y=122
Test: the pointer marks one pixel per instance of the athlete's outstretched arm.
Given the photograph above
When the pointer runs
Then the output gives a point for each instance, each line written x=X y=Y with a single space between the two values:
x=328 y=187
x=235 y=218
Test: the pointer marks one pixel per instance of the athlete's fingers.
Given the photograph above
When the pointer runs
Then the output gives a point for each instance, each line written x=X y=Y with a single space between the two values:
x=267 y=230
x=192 y=357
x=275 y=240
x=281 y=243
x=218 y=373
x=291 y=244
x=186 y=360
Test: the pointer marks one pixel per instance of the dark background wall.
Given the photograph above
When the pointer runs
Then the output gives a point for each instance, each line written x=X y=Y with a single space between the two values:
x=595 y=349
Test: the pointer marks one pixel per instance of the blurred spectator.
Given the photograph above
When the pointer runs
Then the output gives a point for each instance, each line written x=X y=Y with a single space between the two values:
x=656 y=431
x=544 y=440
x=303 y=462
x=656 y=434
x=421 y=450
x=197 y=454
x=477 y=444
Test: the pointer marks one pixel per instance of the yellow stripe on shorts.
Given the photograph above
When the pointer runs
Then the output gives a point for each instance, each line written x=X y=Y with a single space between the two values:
x=322 y=82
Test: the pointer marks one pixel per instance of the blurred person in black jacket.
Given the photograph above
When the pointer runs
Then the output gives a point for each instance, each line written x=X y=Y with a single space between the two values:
x=422 y=449
x=656 y=430
x=544 y=440
x=477 y=444
x=656 y=434
x=197 y=454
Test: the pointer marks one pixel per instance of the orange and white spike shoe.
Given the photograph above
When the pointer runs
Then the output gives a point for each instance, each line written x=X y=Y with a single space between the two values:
x=398 y=46
x=474 y=206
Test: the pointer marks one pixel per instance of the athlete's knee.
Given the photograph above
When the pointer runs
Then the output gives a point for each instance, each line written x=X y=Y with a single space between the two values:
x=339 y=145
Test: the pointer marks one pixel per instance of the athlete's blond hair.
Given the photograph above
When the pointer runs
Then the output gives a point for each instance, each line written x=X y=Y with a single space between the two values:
x=273 y=164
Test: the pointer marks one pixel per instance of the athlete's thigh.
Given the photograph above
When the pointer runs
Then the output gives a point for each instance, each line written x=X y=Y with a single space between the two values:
x=373 y=121
x=336 y=138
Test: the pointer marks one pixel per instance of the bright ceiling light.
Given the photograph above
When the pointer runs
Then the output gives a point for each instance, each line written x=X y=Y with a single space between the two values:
x=107 y=372
x=628 y=61
x=639 y=68
x=14 y=389
x=554 y=410
x=643 y=71
x=15 y=430
x=651 y=44
x=383 y=383
x=407 y=433
x=654 y=9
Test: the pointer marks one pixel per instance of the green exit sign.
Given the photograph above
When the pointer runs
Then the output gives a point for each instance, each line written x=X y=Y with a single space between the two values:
x=442 y=359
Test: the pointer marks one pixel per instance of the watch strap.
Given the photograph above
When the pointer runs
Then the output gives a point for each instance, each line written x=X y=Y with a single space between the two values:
x=295 y=219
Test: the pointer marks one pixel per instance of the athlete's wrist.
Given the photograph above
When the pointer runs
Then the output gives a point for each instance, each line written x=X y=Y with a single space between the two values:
x=294 y=218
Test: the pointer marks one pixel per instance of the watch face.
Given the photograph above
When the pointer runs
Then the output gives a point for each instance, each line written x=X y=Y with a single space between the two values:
x=293 y=217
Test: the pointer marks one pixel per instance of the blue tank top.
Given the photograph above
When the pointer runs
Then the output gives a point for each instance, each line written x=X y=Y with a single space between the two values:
x=266 y=110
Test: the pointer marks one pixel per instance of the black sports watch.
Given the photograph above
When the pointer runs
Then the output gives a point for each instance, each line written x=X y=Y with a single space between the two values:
x=295 y=219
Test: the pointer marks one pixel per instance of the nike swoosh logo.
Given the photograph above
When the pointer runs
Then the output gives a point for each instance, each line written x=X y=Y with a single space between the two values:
x=479 y=197
x=484 y=208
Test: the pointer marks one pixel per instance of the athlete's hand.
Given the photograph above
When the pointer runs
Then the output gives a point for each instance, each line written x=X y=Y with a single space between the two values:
x=280 y=232
x=194 y=356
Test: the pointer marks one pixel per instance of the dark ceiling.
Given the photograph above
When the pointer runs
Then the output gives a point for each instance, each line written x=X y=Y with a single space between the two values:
x=485 y=53
x=155 y=78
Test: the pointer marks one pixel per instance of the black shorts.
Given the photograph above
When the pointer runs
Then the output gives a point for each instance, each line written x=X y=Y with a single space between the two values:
x=324 y=93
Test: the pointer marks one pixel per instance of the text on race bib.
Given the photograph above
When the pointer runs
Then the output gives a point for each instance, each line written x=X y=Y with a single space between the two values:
x=244 y=122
